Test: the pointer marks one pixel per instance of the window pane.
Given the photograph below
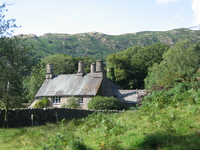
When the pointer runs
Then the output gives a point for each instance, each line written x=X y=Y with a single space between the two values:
x=56 y=99
x=80 y=100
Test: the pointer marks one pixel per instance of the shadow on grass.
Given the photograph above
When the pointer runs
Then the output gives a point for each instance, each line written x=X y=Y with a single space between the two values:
x=165 y=141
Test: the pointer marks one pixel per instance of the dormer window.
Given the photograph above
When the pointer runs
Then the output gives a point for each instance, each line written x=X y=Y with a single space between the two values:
x=56 y=100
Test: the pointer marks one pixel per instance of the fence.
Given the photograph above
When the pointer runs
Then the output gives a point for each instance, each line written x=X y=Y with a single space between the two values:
x=30 y=117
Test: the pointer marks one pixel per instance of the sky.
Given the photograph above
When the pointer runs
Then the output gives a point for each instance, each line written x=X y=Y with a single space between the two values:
x=113 y=17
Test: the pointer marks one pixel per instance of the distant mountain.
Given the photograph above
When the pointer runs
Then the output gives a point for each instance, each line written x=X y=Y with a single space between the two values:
x=99 y=45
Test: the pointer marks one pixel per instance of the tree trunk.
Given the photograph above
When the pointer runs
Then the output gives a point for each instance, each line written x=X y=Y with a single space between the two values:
x=6 y=117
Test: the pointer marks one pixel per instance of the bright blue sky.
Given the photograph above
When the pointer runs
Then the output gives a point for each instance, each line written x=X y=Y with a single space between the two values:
x=107 y=16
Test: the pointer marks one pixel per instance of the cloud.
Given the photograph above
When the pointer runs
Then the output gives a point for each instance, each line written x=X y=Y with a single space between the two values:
x=166 y=1
x=196 y=12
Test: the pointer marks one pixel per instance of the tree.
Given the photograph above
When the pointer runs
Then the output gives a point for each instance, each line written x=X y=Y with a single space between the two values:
x=6 y=26
x=15 y=63
x=15 y=60
x=179 y=64
x=129 y=68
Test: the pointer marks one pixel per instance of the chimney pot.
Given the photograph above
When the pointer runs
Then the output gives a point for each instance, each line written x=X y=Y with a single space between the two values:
x=99 y=66
x=49 y=73
x=80 y=68
x=93 y=68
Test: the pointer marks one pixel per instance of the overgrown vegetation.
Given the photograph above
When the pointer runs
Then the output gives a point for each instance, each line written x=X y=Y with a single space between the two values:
x=148 y=128
x=42 y=103
x=175 y=80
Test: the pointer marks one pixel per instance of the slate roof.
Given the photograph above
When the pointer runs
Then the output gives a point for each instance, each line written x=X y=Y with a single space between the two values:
x=71 y=84
x=129 y=96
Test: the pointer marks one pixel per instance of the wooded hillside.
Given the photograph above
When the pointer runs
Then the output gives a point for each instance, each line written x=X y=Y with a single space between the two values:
x=99 y=45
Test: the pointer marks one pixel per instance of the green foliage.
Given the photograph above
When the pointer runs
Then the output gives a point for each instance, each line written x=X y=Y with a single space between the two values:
x=65 y=139
x=148 y=128
x=129 y=67
x=6 y=26
x=160 y=140
x=42 y=103
x=175 y=80
x=181 y=94
x=98 y=45
x=104 y=103
x=72 y=102
x=15 y=63
x=180 y=64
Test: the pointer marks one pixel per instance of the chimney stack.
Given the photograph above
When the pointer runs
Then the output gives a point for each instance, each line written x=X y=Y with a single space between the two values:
x=80 y=69
x=99 y=66
x=49 y=73
x=93 y=68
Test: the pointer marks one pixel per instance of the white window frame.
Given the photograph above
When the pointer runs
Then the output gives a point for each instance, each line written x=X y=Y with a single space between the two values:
x=56 y=100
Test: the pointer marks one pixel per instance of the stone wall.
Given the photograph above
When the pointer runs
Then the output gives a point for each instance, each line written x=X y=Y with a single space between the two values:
x=30 y=117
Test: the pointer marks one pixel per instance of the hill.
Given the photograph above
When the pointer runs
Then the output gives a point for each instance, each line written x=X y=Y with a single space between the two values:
x=99 y=45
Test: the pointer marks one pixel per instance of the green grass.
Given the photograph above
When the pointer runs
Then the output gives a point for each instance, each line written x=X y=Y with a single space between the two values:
x=145 y=129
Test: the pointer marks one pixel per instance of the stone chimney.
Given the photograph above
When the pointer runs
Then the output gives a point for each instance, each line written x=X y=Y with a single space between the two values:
x=93 y=68
x=80 y=72
x=99 y=66
x=49 y=73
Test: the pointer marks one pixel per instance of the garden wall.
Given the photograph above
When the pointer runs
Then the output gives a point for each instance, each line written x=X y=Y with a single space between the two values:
x=30 y=117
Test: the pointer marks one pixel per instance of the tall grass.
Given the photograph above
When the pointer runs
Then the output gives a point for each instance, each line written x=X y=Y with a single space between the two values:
x=148 y=128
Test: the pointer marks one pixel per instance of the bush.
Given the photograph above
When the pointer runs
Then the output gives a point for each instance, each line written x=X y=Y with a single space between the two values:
x=104 y=103
x=181 y=94
x=72 y=102
x=42 y=103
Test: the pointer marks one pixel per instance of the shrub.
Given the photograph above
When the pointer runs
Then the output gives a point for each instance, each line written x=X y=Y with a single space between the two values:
x=72 y=103
x=180 y=94
x=104 y=103
x=42 y=103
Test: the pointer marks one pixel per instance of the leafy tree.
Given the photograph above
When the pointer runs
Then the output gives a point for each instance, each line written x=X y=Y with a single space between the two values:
x=179 y=64
x=129 y=67
x=15 y=63
x=120 y=68
x=6 y=26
